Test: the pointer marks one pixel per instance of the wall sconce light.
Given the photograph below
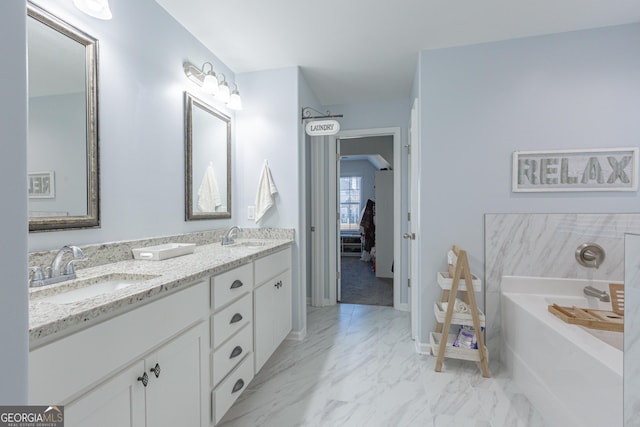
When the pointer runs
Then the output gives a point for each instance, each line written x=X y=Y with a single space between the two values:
x=96 y=8
x=210 y=83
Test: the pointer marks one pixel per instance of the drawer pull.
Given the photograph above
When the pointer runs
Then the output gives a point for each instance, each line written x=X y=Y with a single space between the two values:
x=238 y=386
x=144 y=379
x=236 y=318
x=236 y=352
x=155 y=370
x=236 y=284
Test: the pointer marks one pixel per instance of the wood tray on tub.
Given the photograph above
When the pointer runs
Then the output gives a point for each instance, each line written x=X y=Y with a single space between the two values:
x=603 y=320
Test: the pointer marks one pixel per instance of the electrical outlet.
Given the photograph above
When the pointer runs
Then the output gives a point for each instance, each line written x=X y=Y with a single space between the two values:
x=251 y=212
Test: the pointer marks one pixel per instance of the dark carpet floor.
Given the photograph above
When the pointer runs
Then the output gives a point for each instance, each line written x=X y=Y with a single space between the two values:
x=361 y=286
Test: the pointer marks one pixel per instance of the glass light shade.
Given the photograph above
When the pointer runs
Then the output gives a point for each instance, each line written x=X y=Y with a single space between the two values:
x=96 y=8
x=235 y=102
x=223 y=92
x=210 y=84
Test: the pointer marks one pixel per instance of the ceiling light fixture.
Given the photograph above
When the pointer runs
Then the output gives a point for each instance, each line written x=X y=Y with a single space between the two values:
x=97 y=8
x=213 y=84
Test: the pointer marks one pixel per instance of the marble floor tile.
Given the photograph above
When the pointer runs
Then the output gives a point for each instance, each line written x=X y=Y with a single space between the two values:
x=358 y=367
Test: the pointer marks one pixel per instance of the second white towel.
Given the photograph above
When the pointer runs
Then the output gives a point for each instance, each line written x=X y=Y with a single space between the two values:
x=458 y=307
x=265 y=197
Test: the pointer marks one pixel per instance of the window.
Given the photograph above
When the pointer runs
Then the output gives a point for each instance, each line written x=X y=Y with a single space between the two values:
x=350 y=199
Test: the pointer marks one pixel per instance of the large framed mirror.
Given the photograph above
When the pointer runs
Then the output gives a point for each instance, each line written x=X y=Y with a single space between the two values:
x=207 y=161
x=62 y=149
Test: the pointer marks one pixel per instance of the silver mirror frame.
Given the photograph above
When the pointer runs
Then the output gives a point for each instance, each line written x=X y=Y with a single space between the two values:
x=92 y=218
x=189 y=102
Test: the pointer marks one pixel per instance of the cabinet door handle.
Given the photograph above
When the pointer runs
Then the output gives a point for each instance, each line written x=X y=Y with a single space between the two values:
x=238 y=386
x=236 y=352
x=155 y=370
x=236 y=284
x=236 y=318
x=144 y=379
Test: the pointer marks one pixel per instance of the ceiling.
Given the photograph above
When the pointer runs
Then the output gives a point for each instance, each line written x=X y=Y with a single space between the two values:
x=353 y=51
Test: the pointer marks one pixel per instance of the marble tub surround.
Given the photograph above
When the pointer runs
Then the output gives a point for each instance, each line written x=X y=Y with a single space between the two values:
x=107 y=253
x=543 y=245
x=632 y=330
x=49 y=320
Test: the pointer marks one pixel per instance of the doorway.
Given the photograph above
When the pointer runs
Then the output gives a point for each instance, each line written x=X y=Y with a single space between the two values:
x=365 y=220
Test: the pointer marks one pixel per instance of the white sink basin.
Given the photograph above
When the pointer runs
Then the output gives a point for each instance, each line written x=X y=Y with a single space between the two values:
x=95 y=287
x=250 y=244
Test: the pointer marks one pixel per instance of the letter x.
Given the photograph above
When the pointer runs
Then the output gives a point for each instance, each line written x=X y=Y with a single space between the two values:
x=618 y=169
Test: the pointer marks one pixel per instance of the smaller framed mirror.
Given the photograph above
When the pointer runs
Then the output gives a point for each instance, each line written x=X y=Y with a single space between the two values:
x=207 y=161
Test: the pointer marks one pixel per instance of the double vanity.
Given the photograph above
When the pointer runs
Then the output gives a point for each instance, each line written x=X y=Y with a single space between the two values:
x=160 y=343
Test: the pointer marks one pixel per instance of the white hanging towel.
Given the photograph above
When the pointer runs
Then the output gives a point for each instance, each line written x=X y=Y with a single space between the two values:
x=265 y=198
x=208 y=193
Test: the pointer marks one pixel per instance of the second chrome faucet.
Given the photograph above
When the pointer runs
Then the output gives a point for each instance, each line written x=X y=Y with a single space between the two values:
x=57 y=271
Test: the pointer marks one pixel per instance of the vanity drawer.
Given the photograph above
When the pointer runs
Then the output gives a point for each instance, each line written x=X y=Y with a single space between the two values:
x=228 y=286
x=230 y=320
x=229 y=390
x=231 y=353
x=272 y=265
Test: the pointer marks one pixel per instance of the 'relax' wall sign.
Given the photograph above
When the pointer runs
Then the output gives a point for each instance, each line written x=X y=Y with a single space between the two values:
x=611 y=169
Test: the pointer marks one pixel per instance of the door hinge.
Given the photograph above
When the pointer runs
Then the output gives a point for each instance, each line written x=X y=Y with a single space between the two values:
x=408 y=216
x=338 y=216
x=337 y=275
x=408 y=148
x=408 y=283
x=313 y=229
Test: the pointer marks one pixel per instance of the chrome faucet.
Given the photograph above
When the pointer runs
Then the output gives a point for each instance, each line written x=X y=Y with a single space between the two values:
x=227 y=239
x=57 y=272
x=593 y=292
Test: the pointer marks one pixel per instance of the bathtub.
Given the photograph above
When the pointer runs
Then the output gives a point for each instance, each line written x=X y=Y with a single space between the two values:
x=571 y=374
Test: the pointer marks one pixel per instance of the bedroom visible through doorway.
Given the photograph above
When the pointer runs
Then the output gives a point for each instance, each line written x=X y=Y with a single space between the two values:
x=366 y=220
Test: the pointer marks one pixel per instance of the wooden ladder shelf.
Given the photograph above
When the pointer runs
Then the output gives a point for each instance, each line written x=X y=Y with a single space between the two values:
x=440 y=339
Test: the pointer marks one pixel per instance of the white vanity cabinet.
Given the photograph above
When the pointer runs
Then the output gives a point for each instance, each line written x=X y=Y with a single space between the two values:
x=231 y=337
x=99 y=372
x=272 y=304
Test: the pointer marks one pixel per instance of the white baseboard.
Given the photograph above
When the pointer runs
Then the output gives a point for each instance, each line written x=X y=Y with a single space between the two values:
x=402 y=307
x=423 y=348
x=297 y=335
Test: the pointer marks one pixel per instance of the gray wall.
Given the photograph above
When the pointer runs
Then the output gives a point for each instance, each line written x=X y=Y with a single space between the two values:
x=268 y=129
x=632 y=330
x=480 y=103
x=58 y=144
x=13 y=193
x=382 y=145
x=141 y=85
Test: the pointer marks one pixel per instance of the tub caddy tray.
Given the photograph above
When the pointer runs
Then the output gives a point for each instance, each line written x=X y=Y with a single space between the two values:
x=454 y=352
x=603 y=320
x=456 y=318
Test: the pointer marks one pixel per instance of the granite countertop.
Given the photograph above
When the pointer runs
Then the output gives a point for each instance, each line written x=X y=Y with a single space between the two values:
x=49 y=320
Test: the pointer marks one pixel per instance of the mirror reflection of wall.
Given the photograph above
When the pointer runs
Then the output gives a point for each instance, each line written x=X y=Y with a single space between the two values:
x=57 y=122
x=631 y=328
x=209 y=162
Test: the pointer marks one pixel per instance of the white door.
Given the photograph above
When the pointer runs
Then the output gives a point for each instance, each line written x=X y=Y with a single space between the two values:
x=119 y=402
x=176 y=374
x=338 y=250
x=412 y=226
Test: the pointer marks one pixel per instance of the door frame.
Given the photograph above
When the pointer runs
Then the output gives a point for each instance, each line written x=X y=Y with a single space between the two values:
x=332 y=209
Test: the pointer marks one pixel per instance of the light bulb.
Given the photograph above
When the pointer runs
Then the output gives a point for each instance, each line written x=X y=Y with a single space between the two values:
x=223 y=92
x=96 y=8
x=210 y=84
x=235 y=102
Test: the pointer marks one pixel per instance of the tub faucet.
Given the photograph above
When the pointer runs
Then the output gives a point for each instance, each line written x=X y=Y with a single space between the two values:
x=593 y=292
x=227 y=239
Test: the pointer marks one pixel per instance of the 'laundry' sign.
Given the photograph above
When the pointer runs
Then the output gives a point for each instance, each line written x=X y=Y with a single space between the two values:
x=613 y=169
x=322 y=127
